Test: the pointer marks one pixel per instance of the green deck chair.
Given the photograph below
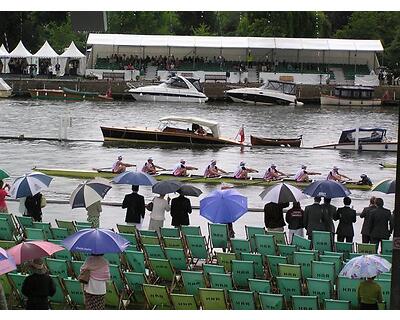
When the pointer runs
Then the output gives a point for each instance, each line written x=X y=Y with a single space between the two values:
x=150 y=240
x=385 y=285
x=242 y=271
x=135 y=261
x=75 y=293
x=198 y=248
x=250 y=233
x=258 y=285
x=279 y=236
x=76 y=267
x=366 y=248
x=173 y=242
x=384 y=276
x=387 y=247
x=62 y=255
x=218 y=235
x=46 y=227
x=242 y=300
x=170 y=232
x=321 y=288
x=212 y=268
x=301 y=242
x=116 y=277
x=69 y=225
x=58 y=267
x=113 y=299
x=289 y=287
x=147 y=233
x=7 y=244
x=304 y=259
x=162 y=271
x=59 y=299
x=131 y=238
x=16 y=280
x=154 y=251
x=7 y=289
x=24 y=222
x=224 y=259
x=213 y=299
x=113 y=258
x=337 y=260
x=387 y=257
x=6 y=231
x=157 y=297
x=221 y=281
x=323 y=270
x=353 y=255
x=192 y=281
x=345 y=247
x=331 y=304
x=272 y=262
x=191 y=230
x=35 y=234
x=322 y=241
x=305 y=302
x=265 y=244
x=286 y=250
x=347 y=290
x=13 y=224
x=183 y=301
x=135 y=281
x=125 y=228
x=289 y=270
x=59 y=233
x=177 y=258
x=270 y=301
x=239 y=246
x=314 y=252
x=258 y=261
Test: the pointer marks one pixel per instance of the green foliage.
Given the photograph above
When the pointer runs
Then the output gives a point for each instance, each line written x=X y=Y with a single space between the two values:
x=202 y=30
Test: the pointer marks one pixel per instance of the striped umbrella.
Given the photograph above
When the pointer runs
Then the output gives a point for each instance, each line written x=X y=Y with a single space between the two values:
x=282 y=193
x=365 y=266
x=30 y=184
x=89 y=192
x=4 y=174
x=386 y=186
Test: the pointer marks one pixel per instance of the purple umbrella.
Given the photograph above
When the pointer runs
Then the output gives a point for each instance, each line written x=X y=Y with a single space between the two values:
x=95 y=241
x=223 y=206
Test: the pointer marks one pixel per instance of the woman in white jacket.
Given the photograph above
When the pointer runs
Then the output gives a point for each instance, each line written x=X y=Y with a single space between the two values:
x=157 y=215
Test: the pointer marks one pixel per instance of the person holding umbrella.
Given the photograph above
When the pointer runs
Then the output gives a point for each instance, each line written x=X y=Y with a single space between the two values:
x=38 y=286
x=4 y=187
x=365 y=215
x=34 y=205
x=294 y=219
x=180 y=210
x=157 y=215
x=93 y=214
x=379 y=221
x=369 y=294
x=135 y=207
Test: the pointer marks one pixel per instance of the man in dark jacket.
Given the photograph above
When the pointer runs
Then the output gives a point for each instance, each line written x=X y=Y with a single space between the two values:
x=33 y=205
x=314 y=218
x=135 y=207
x=365 y=214
x=180 y=210
x=329 y=213
x=346 y=217
x=379 y=221
x=273 y=216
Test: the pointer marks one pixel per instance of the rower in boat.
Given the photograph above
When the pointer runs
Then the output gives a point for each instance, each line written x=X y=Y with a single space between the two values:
x=302 y=175
x=212 y=171
x=181 y=169
x=150 y=168
x=273 y=174
x=336 y=176
x=119 y=166
x=242 y=171
x=365 y=180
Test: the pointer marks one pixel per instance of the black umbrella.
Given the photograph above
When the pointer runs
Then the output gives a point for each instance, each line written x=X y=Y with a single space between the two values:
x=167 y=186
x=189 y=190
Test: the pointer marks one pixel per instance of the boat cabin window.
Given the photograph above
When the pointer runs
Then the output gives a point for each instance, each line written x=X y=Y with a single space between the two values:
x=288 y=88
x=366 y=94
x=196 y=84
x=363 y=136
x=177 y=83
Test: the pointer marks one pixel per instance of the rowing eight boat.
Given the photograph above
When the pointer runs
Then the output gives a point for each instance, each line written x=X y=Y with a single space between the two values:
x=90 y=174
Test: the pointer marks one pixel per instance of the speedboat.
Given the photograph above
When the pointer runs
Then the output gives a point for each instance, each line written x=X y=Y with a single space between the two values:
x=271 y=93
x=362 y=139
x=175 y=89
x=5 y=89
x=172 y=129
x=351 y=96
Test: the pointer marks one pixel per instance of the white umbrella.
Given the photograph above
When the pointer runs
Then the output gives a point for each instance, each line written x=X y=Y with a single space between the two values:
x=365 y=266
x=282 y=193
x=89 y=192
x=30 y=184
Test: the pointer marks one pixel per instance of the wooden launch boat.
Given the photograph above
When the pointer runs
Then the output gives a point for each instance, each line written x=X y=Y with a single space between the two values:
x=67 y=94
x=195 y=131
x=260 y=141
x=90 y=174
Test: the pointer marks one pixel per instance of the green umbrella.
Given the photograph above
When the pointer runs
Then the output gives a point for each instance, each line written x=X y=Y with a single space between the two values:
x=3 y=174
x=386 y=186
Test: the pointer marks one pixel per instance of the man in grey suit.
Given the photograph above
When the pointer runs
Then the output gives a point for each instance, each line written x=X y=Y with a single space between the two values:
x=365 y=214
x=314 y=218
x=379 y=223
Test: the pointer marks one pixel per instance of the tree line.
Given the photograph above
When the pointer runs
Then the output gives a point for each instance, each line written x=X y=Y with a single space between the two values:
x=33 y=28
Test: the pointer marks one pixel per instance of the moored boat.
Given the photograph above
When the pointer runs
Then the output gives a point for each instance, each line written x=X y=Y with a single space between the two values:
x=68 y=94
x=362 y=139
x=5 y=89
x=351 y=96
x=90 y=174
x=260 y=141
x=201 y=132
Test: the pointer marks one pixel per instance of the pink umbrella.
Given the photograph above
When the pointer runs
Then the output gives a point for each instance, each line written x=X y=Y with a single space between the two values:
x=33 y=250
x=7 y=263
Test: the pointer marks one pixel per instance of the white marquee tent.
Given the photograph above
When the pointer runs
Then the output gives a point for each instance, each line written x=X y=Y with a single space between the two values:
x=47 y=52
x=20 y=52
x=3 y=57
x=72 y=52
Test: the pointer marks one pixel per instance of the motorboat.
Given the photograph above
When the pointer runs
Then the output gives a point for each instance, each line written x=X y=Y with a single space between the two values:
x=351 y=96
x=272 y=92
x=278 y=142
x=363 y=139
x=5 y=89
x=175 y=89
x=172 y=129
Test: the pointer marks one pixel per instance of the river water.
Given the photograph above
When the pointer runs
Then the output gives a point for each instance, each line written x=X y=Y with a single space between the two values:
x=317 y=124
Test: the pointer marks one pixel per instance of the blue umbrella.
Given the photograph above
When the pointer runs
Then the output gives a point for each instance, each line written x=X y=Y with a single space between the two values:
x=326 y=188
x=223 y=206
x=96 y=241
x=134 y=178
x=89 y=192
x=30 y=184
